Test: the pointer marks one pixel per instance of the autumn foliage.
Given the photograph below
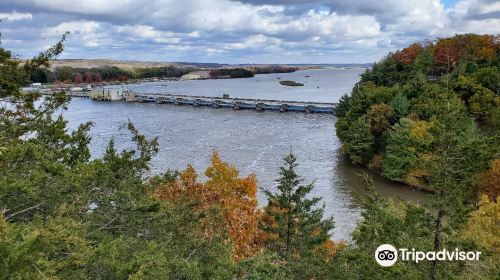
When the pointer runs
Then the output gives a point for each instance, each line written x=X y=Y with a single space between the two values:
x=489 y=181
x=448 y=51
x=225 y=190
x=407 y=55
x=78 y=78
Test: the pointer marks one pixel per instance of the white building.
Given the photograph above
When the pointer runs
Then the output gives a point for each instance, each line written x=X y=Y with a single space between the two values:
x=112 y=94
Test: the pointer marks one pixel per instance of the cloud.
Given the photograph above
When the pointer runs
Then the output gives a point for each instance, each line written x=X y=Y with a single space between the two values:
x=15 y=16
x=86 y=31
x=273 y=31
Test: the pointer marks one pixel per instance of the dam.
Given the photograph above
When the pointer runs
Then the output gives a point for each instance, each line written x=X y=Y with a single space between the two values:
x=238 y=103
x=211 y=101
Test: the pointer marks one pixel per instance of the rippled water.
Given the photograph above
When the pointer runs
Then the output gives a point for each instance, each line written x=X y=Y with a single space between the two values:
x=255 y=142
x=319 y=86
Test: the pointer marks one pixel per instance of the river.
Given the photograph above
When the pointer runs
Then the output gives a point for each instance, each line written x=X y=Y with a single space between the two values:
x=255 y=142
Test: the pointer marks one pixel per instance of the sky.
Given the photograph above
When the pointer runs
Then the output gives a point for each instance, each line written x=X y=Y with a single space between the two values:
x=236 y=32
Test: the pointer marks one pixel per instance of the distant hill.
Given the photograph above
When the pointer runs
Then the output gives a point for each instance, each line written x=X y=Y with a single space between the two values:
x=130 y=65
x=95 y=63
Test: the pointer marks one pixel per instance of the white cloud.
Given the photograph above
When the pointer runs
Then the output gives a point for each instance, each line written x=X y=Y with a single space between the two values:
x=345 y=29
x=79 y=27
x=86 y=32
x=255 y=41
x=15 y=16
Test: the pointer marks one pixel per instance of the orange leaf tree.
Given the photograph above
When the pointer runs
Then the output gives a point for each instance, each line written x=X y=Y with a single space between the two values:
x=489 y=181
x=235 y=197
x=238 y=200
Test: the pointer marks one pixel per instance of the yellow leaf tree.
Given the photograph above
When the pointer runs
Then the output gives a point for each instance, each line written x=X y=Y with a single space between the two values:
x=236 y=198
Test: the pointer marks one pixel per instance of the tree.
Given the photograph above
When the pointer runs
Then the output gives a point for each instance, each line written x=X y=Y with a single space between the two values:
x=97 y=78
x=238 y=199
x=359 y=141
x=64 y=73
x=489 y=181
x=343 y=106
x=400 y=104
x=77 y=78
x=409 y=54
x=224 y=189
x=482 y=229
x=122 y=78
x=482 y=226
x=456 y=142
x=64 y=215
x=384 y=222
x=88 y=77
x=55 y=248
x=409 y=143
x=489 y=77
x=39 y=76
x=446 y=54
x=380 y=117
x=294 y=223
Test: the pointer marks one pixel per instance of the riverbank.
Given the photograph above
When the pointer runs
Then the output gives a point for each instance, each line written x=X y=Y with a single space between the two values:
x=253 y=142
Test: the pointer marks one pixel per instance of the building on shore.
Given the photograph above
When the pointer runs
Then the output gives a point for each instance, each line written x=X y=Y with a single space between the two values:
x=113 y=94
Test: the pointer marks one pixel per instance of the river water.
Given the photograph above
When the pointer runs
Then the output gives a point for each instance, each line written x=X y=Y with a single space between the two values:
x=255 y=142
x=319 y=86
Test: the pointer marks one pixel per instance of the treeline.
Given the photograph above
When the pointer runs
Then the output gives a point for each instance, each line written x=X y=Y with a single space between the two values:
x=65 y=215
x=395 y=117
x=230 y=73
x=113 y=73
x=273 y=69
x=107 y=73
x=250 y=72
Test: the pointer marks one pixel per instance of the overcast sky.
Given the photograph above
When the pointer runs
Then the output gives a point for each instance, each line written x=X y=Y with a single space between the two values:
x=248 y=31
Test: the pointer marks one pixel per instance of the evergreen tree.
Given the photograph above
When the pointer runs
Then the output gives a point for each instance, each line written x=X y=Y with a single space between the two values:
x=293 y=222
x=359 y=143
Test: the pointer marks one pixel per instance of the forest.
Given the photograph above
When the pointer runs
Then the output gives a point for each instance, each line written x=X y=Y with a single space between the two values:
x=394 y=119
x=69 y=74
x=67 y=215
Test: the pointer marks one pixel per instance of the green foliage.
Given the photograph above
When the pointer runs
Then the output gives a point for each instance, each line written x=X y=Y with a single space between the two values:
x=400 y=104
x=295 y=222
x=231 y=72
x=380 y=117
x=407 y=141
x=54 y=248
x=168 y=71
x=265 y=266
x=359 y=142
x=489 y=77
x=66 y=216
x=343 y=106
x=423 y=62
x=387 y=222
x=383 y=73
x=413 y=88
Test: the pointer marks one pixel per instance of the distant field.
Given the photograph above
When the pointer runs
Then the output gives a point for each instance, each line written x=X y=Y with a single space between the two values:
x=127 y=65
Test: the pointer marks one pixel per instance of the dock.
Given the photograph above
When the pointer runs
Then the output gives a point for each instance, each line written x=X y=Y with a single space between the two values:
x=238 y=103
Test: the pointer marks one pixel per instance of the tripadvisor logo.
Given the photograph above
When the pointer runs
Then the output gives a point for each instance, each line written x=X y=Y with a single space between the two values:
x=387 y=255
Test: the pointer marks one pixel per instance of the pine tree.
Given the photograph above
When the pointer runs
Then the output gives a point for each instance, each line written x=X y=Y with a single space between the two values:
x=293 y=223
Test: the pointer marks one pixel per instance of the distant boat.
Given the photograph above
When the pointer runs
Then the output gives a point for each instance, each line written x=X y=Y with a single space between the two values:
x=307 y=76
